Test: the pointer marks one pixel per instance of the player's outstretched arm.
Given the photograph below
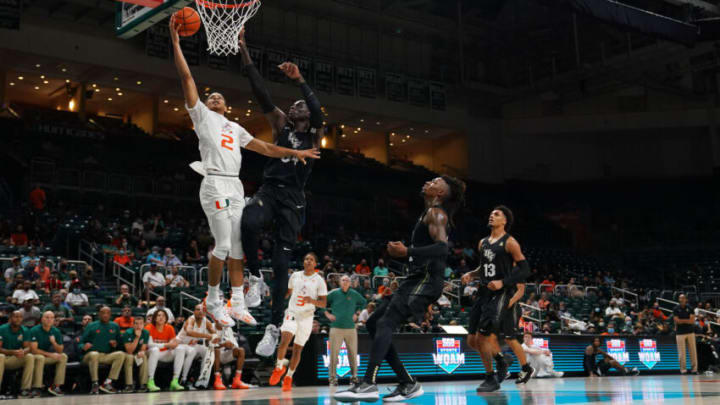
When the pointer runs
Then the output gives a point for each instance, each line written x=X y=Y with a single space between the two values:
x=188 y=84
x=274 y=151
x=273 y=114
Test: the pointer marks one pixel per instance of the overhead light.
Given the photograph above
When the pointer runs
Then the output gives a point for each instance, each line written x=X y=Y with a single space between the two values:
x=37 y=65
x=359 y=129
x=412 y=129
x=377 y=123
x=229 y=107
x=165 y=101
x=324 y=123
x=427 y=131
x=67 y=80
x=175 y=109
x=97 y=90
x=407 y=136
x=109 y=98
x=249 y=110
x=63 y=70
x=37 y=88
x=117 y=88
x=247 y=114
x=343 y=135
x=392 y=133
x=119 y=94
x=45 y=82
x=139 y=82
x=362 y=120
x=237 y=119
x=249 y=101
x=12 y=84
x=42 y=76
x=403 y=140
x=392 y=144
x=71 y=105
x=116 y=78
x=323 y=142
x=20 y=77
x=354 y=132
x=342 y=126
x=207 y=94
x=207 y=88
x=94 y=85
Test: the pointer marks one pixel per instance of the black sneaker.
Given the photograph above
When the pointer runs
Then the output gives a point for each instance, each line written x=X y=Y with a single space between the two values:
x=55 y=390
x=36 y=392
x=359 y=391
x=143 y=388
x=129 y=389
x=94 y=390
x=634 y=371
x=489 y=385
x=108 y=388
x=404 y=391
x=25 y=394
x=502 y=368
x=525 y=376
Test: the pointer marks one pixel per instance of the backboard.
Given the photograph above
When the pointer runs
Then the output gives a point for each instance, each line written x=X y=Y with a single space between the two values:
x=132 y=19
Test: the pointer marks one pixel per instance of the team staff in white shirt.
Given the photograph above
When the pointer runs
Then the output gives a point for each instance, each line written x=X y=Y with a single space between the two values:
x=221 y=192
x=307 y=290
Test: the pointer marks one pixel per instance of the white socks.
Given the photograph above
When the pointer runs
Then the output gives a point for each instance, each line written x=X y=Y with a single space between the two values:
x=214 y=293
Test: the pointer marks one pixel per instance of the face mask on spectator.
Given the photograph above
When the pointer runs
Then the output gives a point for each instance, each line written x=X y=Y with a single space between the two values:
x=611 y=330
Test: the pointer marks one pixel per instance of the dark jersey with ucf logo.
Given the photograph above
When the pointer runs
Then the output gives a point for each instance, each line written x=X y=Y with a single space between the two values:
x=495 y=262
x=289 y=171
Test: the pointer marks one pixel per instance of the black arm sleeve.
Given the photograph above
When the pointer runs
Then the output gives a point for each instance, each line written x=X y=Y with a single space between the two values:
x=518 y=276
x=313 y=105
x=258 y=88
x=436 y=249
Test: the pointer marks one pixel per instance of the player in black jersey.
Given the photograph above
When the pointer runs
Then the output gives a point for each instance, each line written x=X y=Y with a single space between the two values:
x=502 y=271
x=599 y=369
x=427 y=257
x=281 y=198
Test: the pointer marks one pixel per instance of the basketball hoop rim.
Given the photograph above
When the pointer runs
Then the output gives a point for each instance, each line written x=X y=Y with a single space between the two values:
x=211 y=5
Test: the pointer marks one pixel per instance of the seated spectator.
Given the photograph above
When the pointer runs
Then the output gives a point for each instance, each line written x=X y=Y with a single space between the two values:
x=24 y=294
x=613 y=310
x=63 y=315
x=121 y=258
x=192 y=255
x=380 y=269
x=42 y=270
x=574 y=290
x=543 y=302
x=19 y=237
x=72 y=279
x=175 y=279
x=29 y=271
x=53 y=283
x=165 y=347
x=47 y=347
x=562 y=311
x=31 y=257
x=548 y=285
x=362 y=268
x=610 y=330
x=154 y=257
x=87 y=281
x=125 y=298
x=365 y=313
x=170 y=259
x=100 y=344
x=135 y=342
x=152 y=280
x=539 y=359
x=657 y=312
x=31 y=314
x=76 y=298
x=532 y=300
x=470 y=289
x=125 y=320
x=142 y=251
x=594 y=369
x=15 y=340
x=14 y=269
x=160 y=304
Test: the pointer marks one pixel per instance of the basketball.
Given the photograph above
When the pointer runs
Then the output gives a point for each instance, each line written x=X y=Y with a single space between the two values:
x=189 y=21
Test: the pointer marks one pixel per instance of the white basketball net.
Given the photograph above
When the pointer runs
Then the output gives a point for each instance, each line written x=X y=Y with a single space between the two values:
x=223 y=20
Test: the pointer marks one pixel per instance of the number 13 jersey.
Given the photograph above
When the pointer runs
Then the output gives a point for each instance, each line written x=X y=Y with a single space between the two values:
x=305 y=286
x=219 y=140
x=495 y=262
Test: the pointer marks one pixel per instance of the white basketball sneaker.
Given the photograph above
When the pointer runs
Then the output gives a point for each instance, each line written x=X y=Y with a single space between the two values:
x=236 y=308
x=219 y=313
x=253 y=298
x=269 y=342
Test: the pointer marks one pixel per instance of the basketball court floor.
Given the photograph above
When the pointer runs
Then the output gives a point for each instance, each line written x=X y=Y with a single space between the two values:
x=670 y=389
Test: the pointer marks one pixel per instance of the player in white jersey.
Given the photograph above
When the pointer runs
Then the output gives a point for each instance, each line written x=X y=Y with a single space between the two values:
x=307 y=291
x=197 y=331
x=221 y=192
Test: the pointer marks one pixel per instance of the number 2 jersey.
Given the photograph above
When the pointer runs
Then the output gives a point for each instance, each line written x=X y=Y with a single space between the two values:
x=219 y=140
x=305 y=286
x=495 y=262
